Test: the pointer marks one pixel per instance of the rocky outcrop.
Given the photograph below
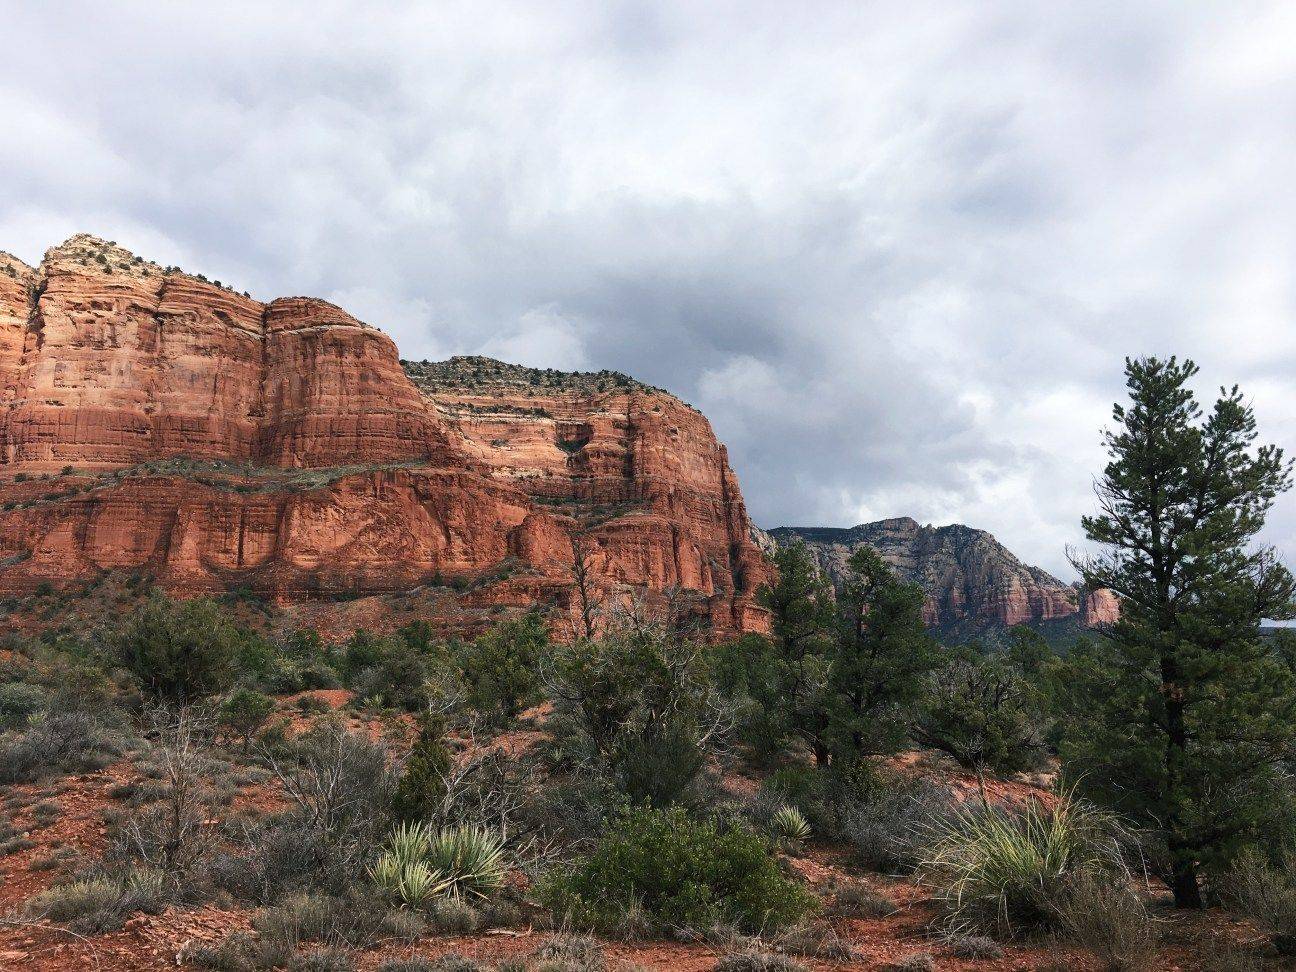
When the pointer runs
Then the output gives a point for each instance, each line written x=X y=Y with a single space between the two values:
x=970 y=579
x=155 y=421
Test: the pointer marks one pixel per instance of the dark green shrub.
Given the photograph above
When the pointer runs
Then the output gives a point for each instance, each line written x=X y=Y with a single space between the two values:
x=639 y=706
x=19 y=701
x=500 y=669
x=982 y=712
x=302 y=662
x=387 y=672
x=682 y=871
x=421 y=790
x=182 y=650
x=243 y=713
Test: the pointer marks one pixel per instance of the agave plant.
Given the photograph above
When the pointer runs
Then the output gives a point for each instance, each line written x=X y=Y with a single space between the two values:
x=789 y=826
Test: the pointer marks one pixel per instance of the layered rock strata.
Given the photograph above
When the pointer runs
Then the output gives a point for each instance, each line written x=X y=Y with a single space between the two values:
x=969 y=578
x=154 y=421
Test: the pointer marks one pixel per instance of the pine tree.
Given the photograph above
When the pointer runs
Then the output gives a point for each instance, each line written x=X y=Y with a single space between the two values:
x=792 y=680
x=879 y=662
x=1188 y=712
x=420 y=793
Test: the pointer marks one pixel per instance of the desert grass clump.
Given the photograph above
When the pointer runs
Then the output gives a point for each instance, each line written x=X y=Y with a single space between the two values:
x=453 y=916
x=857 y=900
x=816 y=941
x=973 y=947
x=454 y=962
x=415 y=963
x=99 y=904
x=322 y=960
x=355 y=920
x=921 y=962
x=1266 y=894
x=568 y=953
x=1006 y=872
x=238 y=952
x=1103 y=914
x=1224 y=956
x=789 y=826
x=404 y=925
x=754 y=960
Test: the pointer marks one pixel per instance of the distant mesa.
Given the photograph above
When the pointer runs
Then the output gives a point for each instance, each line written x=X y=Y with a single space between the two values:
x=974 y=584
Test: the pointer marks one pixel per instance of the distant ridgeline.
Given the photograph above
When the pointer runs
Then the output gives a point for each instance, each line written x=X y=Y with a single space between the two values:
x=976 y=588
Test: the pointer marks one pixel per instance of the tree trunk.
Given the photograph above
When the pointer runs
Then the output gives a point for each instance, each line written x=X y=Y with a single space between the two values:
x=1187 y=893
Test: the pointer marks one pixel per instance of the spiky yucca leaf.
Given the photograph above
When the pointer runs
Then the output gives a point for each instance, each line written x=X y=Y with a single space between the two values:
x=409 y=841
x=419 y=883
x=471 y=858
x=1002 y=871
x=789 y=825
x=386 y=873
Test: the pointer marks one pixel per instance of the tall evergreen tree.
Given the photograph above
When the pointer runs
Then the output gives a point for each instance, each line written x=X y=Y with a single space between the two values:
x=1189 y=714
x=879 y=661
x=791 y=679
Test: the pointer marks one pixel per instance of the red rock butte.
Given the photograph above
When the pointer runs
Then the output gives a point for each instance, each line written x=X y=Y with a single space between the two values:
x=156 y=422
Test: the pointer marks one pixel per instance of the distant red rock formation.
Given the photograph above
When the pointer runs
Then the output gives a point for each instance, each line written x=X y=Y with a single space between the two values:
x=970 y=579
x=219 y=442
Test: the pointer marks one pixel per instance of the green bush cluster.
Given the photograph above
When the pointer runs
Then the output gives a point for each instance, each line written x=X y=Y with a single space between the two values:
x=681 y=871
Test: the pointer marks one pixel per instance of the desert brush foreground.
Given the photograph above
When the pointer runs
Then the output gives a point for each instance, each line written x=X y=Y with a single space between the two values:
x=315 y=659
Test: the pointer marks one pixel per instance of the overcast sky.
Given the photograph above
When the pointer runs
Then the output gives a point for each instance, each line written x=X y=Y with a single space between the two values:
x=895 y=251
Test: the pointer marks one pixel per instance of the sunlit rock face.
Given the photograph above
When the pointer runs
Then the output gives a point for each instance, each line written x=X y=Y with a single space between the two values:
x=154 y=421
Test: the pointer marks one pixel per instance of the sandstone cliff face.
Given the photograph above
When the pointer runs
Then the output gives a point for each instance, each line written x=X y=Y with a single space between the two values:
x=970 y=579
x=215 y=441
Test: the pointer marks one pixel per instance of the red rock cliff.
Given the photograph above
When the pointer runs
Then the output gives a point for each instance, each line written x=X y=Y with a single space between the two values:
x=215 y=441
x=972 y=581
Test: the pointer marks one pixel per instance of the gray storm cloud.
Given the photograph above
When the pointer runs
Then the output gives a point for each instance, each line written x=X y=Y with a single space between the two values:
x=896 y=252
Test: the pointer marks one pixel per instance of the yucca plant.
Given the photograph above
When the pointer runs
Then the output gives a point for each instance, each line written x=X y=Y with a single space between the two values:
x=1004 y=872
x=420 y=863
x=409 y=841
x=789 y=826
x=472 y=858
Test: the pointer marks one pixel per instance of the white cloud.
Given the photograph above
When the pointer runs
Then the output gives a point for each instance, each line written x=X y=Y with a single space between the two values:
x=896 y=253
x=542 y=338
